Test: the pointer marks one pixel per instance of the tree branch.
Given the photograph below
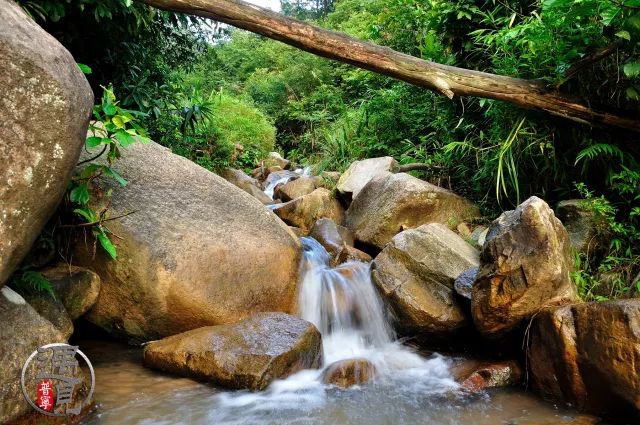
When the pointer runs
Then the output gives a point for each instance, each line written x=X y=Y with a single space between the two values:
x=447 y=80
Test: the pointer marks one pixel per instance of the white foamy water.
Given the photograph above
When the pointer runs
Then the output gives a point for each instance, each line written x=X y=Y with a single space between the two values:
x=344 y=305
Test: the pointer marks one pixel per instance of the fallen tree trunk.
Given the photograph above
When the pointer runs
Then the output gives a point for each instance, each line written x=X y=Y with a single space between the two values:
x=446 y=80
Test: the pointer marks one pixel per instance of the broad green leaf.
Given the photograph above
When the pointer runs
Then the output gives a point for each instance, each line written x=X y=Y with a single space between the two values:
x=86 y=213
x=80 y=194
x=109 y=109
x=631 y=69
x=107 y=245
x=623 y=34
x=108 y=171
x=117 y=120
x=93 y=141
x=124 y=138
x=632 y=93
x=84 y=68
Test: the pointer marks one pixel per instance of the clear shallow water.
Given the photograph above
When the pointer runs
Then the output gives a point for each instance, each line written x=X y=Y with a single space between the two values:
x=342 y=302
x=128 y=394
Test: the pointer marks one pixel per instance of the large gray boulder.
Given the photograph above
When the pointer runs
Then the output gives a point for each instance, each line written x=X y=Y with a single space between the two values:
x=198 y=251
x=359 y=173
x=45 y=108
x=248 y=354
x=22 y=331
x=415 y=274
x=524 y=266
x=303 y=212
x=391 y=203
x=77 y=288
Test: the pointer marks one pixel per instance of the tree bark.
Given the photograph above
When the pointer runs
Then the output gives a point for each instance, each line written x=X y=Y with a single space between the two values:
x=446 y=80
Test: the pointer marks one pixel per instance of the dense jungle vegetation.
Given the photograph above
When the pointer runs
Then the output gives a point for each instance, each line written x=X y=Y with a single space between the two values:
x=225 y=97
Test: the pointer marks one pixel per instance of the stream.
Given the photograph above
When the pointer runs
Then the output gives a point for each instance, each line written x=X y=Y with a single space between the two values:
x=409 y=388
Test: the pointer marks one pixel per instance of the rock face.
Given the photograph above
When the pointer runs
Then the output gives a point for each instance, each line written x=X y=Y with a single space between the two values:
x=303 y=212
x=77 y=288
x=359 y=173
x=42 y=87
x=415 y=274
x=246 y=183
x=198 y=251
x=390 y=203
x=295 y=189
x=580 y=223
x=22 y=331
x=347 y=373
x=53 y=310
x=525 y=266
x=474 y=375
x=248 y=354
x=588 y=355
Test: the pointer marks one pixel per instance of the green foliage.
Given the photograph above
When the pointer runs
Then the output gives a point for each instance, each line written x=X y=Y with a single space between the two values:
x=114 y=128
x=26 y=280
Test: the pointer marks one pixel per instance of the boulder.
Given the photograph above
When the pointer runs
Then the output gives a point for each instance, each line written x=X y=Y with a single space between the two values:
x=76 y=287
x=415 y=274
x=479 y=235
x=198 y=251
x=327 y=233
x=45 y=108
x=588 y=355
x=391 y=203
x=464 y=282
x=349 y=253
x=52 y=309
x=295 y=188
x=581 y=224
x=474 y=376
x=246 y=183
x=303 y=212
x=524 y=266
x=22 y=331
x=275 y=159
x=347 y=373
x=248 y=354
x=274 y=179
x=359 y=173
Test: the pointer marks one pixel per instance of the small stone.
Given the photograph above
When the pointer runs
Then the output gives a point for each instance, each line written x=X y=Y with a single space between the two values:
x=347 y=373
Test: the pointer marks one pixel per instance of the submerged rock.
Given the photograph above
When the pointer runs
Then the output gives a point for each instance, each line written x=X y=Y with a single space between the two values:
x=415 y=274
x=248 y=354
x=525 y=266
x=359 y=173
x=76 y=287
x=197 y=251
x=22 y=331
x=474 y=375
x=303 y=212
x=391 y=203
x=246 y=183
x=588 y=355
x=45 y=108
x=347 y=373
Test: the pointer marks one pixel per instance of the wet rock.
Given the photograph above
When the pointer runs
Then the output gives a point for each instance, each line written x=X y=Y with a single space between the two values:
x=475 y=375
x=359 y=173
x=45 y=108
x=588 y=355
x=390 y=203
x=326 y=232
x=22 y=330
x=248 y=354
x=347 y=373
x=76 y=287
x=580 y=223
x=303 y=212
x=246 y=183
x=349 y=253
x=525 y=266
x=464 y=282
x=51 y=309
x=295 y=188
x=415 y=274
x=198 y=251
